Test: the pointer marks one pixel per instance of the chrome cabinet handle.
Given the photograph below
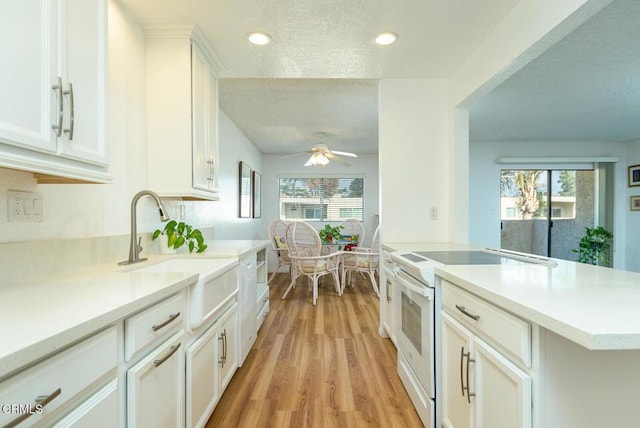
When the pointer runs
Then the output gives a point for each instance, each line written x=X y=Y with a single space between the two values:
x=469 y=361
x=461 y=370
x=470 y=315
x=211 y=170
x=41 y=401
x=223 y=338
x=69 y=130
x=58 y=89
x=172 y=351
x=172 y=317
x=388 y=291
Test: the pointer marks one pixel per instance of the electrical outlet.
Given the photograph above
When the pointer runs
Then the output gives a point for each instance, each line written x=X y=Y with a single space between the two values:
x=25 y=206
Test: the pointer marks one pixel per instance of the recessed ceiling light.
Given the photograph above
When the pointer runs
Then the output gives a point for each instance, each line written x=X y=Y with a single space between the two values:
x=259 y=38
x=386 y=38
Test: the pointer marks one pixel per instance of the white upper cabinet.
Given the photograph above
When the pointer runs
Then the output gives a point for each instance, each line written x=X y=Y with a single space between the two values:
x=182 y=113
x=53 y=84
x=82 y=65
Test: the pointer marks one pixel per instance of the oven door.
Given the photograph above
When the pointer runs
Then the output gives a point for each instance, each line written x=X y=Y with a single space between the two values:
x=415 y=328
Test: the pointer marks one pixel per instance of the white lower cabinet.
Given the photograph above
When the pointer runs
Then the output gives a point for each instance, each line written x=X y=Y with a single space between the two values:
x=481 y=388
x=101 y=409
x=63 y=384
x=155 y=387
x=211 y=361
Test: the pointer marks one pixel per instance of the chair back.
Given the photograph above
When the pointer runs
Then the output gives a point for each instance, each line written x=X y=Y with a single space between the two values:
x=277 y=235
x=303 y=240
x=375 y=241
x=375 y=246
x=353 y=227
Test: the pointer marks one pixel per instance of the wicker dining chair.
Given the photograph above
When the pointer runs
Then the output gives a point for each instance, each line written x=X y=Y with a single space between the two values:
x=277 y=235
x=305 y=252
x=353 y=228
x=363 y=260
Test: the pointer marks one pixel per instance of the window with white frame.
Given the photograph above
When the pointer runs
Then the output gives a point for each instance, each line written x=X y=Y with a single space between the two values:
x=318 y=198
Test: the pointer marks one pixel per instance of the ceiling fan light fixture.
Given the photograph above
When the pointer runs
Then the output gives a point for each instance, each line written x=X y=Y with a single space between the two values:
x=318 y=159
x=386 y=38
x=259 y=39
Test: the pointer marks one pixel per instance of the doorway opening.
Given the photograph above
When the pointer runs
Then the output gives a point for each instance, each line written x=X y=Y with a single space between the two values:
x=546 y=211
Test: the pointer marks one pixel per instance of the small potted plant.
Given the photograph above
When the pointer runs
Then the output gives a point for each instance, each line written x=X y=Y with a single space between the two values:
x=328 y=233
x=179 y=234
x=594 y=246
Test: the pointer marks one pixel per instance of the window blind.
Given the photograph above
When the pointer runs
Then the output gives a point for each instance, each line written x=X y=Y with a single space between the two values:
x=321 y=198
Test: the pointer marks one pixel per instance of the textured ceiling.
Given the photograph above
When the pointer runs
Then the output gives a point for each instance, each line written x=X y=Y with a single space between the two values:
x=282 y=115
x=584 y=88
x=309 y=79
x=320 y=73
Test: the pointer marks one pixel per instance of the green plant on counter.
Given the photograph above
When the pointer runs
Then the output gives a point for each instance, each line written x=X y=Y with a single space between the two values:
x=594 y=246
x=179 y=234
x=328 y=233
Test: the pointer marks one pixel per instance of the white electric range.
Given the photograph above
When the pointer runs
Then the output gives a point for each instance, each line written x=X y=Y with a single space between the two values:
x=418 y=316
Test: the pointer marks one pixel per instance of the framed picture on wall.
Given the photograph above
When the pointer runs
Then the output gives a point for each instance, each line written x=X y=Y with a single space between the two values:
x=635 y=203
x=634 y=175
x=245 y=190
x=257 y=194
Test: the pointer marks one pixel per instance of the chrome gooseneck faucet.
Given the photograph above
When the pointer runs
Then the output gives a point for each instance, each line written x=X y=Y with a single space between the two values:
x=135 y=247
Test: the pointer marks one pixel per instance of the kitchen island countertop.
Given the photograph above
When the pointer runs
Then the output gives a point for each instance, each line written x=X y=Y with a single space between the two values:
x=595 y=307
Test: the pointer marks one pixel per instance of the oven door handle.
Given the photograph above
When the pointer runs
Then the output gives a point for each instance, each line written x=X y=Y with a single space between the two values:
x=423 y=291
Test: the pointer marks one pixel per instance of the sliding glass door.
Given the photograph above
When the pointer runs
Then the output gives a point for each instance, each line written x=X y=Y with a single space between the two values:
x=545 y=212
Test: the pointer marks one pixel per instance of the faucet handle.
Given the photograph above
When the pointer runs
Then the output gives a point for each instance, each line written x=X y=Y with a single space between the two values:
x=139 y=246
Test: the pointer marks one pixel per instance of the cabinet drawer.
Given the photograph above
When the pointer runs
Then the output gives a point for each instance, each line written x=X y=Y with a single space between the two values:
x=262 y=314
x=60 y=377
x=493 y=324
x=263 y=297
x=152 y=323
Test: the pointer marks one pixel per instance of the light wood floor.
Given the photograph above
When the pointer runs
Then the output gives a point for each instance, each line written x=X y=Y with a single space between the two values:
x=318 y=366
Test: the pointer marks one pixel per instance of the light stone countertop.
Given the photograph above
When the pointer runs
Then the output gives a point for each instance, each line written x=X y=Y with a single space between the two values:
x=41 y=315
x=427 y=246
x=595 y=307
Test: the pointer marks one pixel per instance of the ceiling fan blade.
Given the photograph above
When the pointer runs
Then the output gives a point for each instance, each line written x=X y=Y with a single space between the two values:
x=294 y=154
x=337 y=159
x=336 y=152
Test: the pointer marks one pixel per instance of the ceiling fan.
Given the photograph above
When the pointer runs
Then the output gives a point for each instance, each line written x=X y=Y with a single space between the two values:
x=321 y=155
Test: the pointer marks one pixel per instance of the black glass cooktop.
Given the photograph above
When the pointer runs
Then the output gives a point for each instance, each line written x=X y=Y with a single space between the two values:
x=464 y=257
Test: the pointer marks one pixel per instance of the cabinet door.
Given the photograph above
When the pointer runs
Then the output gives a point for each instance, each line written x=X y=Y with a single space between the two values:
x=503 y=391
x=248 y=304
x=27 y=43
x=203 y=384
x=228 y=346
x=456 y=349
x=82 y=65
x=386 y=302
x=155 y=385
x=205 y=122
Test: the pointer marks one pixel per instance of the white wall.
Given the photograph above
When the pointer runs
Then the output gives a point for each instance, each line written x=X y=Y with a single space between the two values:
x=632 y=217
x=95 y=210
x=414 y=160
x=235 y=147
x=484 y=185
x=365 y=165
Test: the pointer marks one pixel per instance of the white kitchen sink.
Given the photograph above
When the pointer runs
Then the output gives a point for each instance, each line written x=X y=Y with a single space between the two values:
x=215 y=280
x=206 y=268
